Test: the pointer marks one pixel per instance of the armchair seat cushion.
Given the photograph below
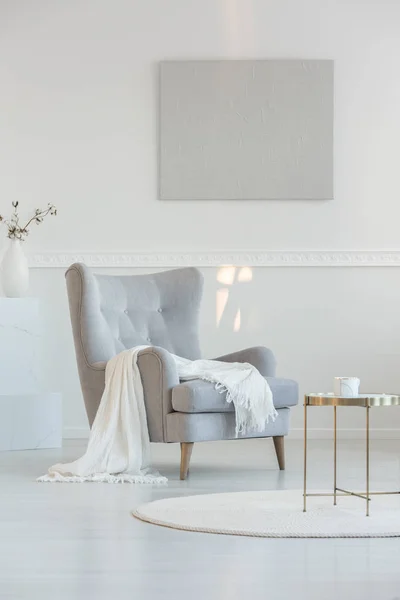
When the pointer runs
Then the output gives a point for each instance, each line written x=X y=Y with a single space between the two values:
x=197 y=396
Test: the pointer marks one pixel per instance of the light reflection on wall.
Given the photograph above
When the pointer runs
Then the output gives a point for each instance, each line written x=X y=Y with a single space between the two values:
x=236 y=323
x=228 y=275
x=245 y=274
x=222 y=299
x=239 y=31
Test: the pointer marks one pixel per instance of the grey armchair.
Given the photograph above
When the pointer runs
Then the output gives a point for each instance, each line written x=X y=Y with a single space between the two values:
x=112 y=313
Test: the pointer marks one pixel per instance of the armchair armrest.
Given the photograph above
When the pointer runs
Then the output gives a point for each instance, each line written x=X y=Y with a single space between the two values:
x=261 y=358
x=159 y=375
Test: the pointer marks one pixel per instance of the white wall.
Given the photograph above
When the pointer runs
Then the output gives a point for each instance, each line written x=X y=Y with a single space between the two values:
x=78 y=127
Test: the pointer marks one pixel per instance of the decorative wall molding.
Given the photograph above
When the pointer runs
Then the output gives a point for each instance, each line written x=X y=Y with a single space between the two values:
x=251 y=258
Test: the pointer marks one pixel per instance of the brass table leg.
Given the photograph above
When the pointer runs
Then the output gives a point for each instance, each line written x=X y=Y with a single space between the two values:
x=305 y=458
x=334 y=454
x=367 y=461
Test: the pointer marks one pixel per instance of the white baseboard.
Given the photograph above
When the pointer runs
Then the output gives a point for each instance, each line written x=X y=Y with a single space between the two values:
x=296 y=433
x=75 y=433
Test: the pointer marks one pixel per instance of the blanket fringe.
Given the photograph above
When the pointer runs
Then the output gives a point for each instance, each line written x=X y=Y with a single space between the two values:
x=250 y=414
x=104 y=478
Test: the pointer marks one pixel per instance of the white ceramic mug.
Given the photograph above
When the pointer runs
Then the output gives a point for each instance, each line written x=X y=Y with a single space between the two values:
x=346 y=386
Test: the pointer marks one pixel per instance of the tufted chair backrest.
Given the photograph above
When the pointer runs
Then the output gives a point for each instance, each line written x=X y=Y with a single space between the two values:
x=112 y=313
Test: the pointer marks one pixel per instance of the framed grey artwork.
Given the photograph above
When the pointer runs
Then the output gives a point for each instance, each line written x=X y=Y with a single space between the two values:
x=246 y=130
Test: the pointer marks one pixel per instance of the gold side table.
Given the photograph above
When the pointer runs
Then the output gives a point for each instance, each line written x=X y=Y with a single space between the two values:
x=366 y=401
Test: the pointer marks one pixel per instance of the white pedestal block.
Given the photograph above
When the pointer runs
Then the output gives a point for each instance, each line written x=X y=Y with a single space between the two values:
x=29 y=422
x=29 y=416
x=20 y=346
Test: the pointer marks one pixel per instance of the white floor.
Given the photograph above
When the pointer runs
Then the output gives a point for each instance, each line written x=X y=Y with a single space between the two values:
x=75 y=541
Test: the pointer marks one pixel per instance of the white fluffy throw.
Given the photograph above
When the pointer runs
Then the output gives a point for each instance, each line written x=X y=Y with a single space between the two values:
x=119 y=447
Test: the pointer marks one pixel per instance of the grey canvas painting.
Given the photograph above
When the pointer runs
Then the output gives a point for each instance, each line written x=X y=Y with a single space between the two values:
x=246 y=129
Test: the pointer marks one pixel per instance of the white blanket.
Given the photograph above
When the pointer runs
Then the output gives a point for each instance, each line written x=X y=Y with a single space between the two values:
x=119 y=447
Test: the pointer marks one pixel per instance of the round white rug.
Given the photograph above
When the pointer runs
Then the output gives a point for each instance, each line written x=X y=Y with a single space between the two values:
x=276 y=514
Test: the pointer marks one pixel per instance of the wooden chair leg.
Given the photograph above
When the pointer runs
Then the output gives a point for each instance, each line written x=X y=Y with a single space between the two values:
x=186 y=453
x=279 y=443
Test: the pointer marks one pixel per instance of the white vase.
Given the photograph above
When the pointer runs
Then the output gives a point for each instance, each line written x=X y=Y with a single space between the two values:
x=15 y=271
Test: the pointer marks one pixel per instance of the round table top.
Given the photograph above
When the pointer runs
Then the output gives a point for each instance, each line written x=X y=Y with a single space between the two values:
x=327 y=399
